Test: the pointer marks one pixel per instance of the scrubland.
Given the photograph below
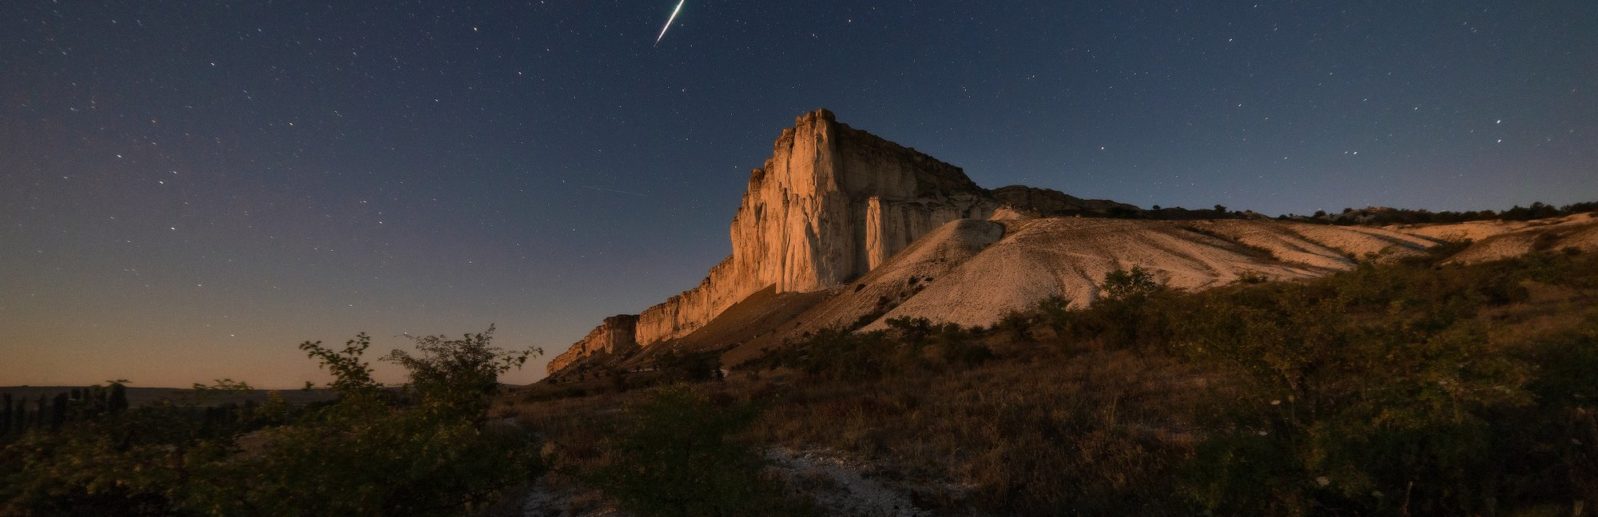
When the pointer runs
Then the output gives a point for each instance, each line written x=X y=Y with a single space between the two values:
x=1412 y=387
x=1417 y=386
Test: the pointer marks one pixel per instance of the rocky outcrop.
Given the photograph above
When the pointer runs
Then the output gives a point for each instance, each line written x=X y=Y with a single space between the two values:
x=616 y=335
x=832 y=203
x=911 y=236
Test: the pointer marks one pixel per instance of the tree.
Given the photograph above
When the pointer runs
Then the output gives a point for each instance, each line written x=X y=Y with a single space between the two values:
x=1129 y=285
x=117 y=401
x=1055 y=312
x=458 y=375
x=42 y=411
x=351 y=375
x=5 y=414
x=19 y=413
x=58 y=411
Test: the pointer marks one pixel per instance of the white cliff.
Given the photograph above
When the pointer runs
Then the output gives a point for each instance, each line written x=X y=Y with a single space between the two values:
x=914 y=237
x=830 y=204
x=616 y=335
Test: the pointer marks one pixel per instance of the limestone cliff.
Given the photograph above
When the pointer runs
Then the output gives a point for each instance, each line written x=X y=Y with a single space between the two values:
x=830 y=204
x=914 y=237
x=616 y=335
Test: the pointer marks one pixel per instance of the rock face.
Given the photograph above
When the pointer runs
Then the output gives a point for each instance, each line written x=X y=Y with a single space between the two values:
x=831 y=203
x=911 y=236
x=616 y=335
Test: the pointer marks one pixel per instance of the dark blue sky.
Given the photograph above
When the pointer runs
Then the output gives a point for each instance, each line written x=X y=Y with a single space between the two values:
x=192 y=188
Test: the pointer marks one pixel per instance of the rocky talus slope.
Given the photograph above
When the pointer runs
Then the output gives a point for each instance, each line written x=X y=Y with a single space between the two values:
x=841 y=228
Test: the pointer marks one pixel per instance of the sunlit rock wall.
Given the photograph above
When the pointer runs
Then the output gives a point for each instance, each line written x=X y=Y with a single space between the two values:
x=830 y=204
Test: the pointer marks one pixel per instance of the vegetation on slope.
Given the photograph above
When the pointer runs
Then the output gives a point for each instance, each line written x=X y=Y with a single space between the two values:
x=1406 y=388
x=1413 y=387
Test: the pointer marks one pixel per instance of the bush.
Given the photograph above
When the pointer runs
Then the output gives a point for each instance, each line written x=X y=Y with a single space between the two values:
x=1130 y=285
x=1133 y=312
x=838 y=354
x=678 y=366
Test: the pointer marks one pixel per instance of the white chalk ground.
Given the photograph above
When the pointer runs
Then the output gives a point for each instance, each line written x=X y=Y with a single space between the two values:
x=965 y=273
x=836 y=485
x=1069 y=257
x=545 y=500
x=840 y=487
x=1496 y=240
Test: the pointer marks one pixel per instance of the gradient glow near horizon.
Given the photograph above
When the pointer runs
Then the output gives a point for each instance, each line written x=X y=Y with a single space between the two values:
x=190 y=190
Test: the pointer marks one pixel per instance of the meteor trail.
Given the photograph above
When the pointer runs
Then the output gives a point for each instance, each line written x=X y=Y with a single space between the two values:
x=668 y=21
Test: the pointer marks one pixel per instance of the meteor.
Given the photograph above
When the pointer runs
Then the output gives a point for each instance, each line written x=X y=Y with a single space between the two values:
x=668 y=21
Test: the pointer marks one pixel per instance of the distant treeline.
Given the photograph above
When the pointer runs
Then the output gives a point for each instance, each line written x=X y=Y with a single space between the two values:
x=1374 y=216
x=223 y=407
x=19 y=414
x=1385 y=216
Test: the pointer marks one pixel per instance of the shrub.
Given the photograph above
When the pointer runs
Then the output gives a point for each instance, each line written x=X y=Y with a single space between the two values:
x=689 y=366
x=1054 y=311
x=1133 y=312
x=838 y=354
x=1130 y=285
x=1017 y=326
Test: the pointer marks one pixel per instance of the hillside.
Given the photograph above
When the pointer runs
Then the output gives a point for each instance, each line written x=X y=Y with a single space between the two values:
x=843 y=229
x=1417 y=385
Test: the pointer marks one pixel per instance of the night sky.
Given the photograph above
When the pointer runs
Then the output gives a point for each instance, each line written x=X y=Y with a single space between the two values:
x=190 y=189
